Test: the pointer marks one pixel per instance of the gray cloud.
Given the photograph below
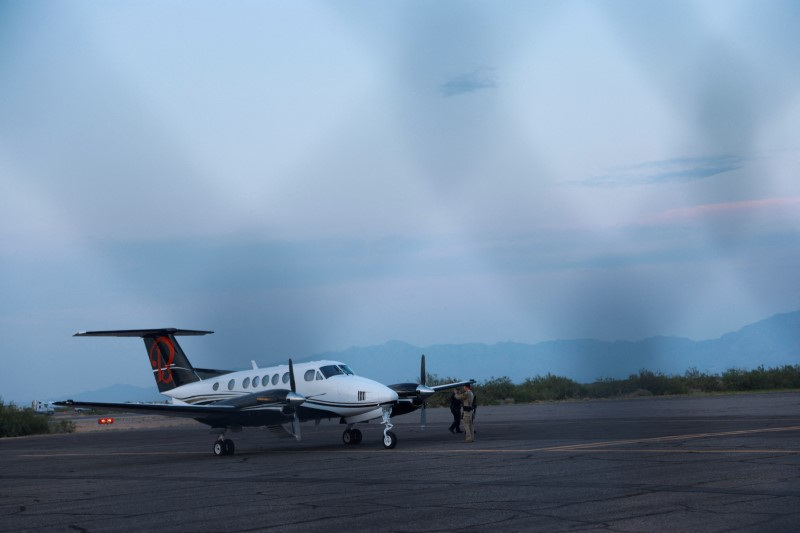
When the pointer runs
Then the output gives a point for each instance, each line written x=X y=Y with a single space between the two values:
x=678 y=170
x=477 y=80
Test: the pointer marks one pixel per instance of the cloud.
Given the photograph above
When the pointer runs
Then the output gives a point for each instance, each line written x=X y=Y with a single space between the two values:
x=777 y=207
x=477 y=80
x=678 y=170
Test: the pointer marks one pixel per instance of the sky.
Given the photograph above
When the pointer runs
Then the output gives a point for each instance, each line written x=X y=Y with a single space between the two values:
x=302 y=177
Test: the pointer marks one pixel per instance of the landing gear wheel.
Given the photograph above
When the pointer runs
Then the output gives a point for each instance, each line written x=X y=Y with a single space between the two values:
x=230 y=448
x=218 y=448
x=351 y=437
x=389 y=440
x=347 y=437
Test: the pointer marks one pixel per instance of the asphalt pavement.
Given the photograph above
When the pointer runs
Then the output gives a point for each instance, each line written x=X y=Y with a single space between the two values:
x=719 y=463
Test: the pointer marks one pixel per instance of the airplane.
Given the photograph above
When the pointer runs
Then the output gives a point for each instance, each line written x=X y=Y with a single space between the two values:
x=270 y=397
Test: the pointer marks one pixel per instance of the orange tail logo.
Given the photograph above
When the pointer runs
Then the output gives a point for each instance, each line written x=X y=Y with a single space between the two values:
x=158 y=358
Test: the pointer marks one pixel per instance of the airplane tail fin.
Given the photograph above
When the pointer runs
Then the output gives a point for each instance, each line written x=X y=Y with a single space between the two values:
x=171 y=367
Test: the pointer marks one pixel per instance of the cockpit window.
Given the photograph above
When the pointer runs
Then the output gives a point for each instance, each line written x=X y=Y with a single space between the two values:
x=331 y=370
x=346 y=369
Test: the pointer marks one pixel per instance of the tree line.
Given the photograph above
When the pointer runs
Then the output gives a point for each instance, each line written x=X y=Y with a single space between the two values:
x=645 y=383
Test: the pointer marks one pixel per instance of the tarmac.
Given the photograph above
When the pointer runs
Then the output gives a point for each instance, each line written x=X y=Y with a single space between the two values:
x=711 y=463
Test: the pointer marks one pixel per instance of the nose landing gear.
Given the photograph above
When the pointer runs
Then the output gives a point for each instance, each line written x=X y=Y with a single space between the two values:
x=389 y=438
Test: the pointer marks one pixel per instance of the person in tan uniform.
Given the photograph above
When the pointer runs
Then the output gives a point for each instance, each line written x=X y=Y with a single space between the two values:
x=466 y=398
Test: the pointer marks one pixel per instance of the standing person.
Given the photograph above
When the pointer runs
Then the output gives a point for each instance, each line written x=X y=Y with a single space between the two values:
x=466 y=398
x=455 y=409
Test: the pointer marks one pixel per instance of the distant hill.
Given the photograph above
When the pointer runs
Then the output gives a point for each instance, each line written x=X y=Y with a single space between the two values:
x=771 y=342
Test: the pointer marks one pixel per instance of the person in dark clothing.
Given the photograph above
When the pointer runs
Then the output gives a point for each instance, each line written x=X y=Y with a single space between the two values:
x=455 y=408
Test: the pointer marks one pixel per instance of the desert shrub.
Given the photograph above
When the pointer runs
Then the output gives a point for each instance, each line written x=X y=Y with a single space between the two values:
x=697 y=381
x=549 y=387
x=495 y=390
x=16 y=422
x=62 y=426
x=609 y=388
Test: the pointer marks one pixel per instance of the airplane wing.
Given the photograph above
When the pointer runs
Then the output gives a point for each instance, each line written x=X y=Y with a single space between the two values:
x=259 y=408
x=448 y=386
x=189 y=411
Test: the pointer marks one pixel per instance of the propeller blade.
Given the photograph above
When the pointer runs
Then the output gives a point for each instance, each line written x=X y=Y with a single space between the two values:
x=422 y=375
x=296 y=427
x=422 y=416
x=294 y=398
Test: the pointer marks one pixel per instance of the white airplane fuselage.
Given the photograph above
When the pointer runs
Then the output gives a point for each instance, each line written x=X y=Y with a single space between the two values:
x=330 y=389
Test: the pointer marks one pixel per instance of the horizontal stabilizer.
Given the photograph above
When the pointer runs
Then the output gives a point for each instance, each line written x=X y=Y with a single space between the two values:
x=141 y=332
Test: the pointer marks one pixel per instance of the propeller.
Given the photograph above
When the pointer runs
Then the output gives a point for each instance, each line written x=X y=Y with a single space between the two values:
x=294 y=399
x=424 y=391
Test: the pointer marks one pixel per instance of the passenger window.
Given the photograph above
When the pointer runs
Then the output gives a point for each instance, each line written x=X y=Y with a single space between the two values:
x=231 y=384
x=265 y=381
x=285 y=378
x=275 y=379
x=246 y=383
x=309 y=375
x=216 y=386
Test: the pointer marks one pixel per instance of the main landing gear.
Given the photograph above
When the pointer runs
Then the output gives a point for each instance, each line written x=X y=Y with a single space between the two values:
x=223 y=446
x=351 y=436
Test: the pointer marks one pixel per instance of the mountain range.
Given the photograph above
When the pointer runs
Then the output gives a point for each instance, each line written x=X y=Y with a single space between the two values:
x=772 y=342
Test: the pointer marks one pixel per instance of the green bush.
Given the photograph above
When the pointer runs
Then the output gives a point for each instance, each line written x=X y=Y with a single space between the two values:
x=549 y=387
x=62 y=426
x=496 y=390
x=17 y=422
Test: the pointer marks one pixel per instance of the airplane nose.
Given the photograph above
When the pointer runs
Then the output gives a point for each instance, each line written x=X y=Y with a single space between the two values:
x=388 y=395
